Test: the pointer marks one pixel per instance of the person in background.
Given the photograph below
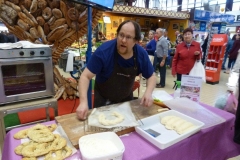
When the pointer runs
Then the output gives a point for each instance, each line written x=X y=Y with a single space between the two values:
x=161 y=53
x=3 y=38
x=180 y=39
x=233 y=53
x=166 y=35
x=229 y=47
x=197 y=38
x=204 y=49
x=177 y=34
x=151 y=48
x=185 y=55
x=115 y=64
x=151 y=45
x=101 y=36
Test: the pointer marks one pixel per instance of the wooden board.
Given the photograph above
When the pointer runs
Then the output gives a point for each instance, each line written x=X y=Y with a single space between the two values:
x=75 y=128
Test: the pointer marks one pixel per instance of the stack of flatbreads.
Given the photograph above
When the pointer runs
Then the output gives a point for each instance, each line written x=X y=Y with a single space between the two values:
x=42 y=143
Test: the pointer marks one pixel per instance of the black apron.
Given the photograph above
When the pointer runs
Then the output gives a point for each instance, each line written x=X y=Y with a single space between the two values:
x=118 y=88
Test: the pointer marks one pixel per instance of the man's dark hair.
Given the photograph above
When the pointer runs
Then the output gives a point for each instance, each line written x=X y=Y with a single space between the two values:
x=136 y=26
x=187 y=30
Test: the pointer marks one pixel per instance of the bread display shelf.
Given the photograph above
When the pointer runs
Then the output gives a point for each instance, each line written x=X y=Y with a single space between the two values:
x=53 y=22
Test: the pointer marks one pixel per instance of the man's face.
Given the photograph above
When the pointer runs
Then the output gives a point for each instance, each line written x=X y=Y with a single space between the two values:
x=126 y=39
x=158 y=34
x=176 y=33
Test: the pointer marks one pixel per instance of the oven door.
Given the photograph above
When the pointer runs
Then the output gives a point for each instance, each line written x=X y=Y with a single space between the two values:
x=25 y=78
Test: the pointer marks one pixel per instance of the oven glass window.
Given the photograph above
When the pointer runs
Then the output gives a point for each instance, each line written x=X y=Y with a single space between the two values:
x=23 y=78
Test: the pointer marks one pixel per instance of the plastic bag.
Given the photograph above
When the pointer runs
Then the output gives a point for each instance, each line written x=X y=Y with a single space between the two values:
x=198 y=71
x=231 y=105
x=222 y=101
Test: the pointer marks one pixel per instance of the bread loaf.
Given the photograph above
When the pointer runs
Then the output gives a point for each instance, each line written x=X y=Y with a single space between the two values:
x=51 y=20
x=42 y=4
x=40 y=20
x=34 y=33
x=57 y=13
x=34 y=6
x=15 y=7
x=26 y=19
x=23 y=25
x=29 y=15
x=47 y=13
x=57 y=33
x=46 y=29
x=57 y=23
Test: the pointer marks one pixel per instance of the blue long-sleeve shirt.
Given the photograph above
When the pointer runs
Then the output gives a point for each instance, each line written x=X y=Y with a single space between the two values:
x=229 y=45
x=151 y=47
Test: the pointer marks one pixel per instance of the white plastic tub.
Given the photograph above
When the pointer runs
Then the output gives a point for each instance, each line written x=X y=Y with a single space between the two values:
x=93 y=141
x=166 y=137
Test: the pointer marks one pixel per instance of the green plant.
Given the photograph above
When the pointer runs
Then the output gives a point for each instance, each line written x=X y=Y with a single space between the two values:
x=97 y=44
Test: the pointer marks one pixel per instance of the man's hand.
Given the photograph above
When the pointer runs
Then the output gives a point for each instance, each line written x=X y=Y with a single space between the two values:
x=174 y=75
x=162 y=63
x=82 y=111
x=147 y=100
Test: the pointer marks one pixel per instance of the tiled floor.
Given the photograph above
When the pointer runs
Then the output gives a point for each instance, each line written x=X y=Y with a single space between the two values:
x=209 y=93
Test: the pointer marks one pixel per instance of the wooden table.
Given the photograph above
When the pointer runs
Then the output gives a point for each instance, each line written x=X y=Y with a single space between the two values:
x=75 y=128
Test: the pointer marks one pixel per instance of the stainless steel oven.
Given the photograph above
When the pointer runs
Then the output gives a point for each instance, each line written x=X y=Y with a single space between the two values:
x=25 y=74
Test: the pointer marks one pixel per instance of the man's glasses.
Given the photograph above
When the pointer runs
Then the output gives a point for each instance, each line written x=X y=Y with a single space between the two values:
x=122 y=36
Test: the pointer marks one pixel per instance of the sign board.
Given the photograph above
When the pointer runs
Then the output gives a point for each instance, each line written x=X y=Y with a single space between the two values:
x=198 y=26
x=219 y=39
x=238 y=18
x=207 y=16
x=190 y=87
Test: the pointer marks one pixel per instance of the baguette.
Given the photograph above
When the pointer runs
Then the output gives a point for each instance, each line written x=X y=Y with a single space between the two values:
x=64 y=10
x=15 y=7
x=57 y=13
x=34 y=33
x=23 y=25
x=57 y=23
x=34 y=6
x=57 y=33
x=42 y=35
x=25 y=18
x=29 y=15
x=68 y=34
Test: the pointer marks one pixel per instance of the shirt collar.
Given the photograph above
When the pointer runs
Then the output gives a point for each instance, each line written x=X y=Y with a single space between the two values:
x=160 y=37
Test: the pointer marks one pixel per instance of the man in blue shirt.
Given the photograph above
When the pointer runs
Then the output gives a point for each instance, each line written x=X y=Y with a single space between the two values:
x=115 y=64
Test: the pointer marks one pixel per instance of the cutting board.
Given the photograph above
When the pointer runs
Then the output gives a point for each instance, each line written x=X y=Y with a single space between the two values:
x=75 y=128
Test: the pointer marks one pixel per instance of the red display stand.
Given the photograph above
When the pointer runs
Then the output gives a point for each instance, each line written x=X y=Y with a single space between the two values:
x=215 y=56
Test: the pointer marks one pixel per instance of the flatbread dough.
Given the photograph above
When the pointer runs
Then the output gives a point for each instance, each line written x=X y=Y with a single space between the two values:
x=108 y=122
x=178 y=124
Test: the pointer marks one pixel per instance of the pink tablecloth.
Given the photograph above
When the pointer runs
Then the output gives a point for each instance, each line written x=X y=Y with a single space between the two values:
x=214 y=143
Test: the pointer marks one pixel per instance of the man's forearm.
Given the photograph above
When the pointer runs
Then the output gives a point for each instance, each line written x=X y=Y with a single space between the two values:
x=83 y=88
x=151 y=83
